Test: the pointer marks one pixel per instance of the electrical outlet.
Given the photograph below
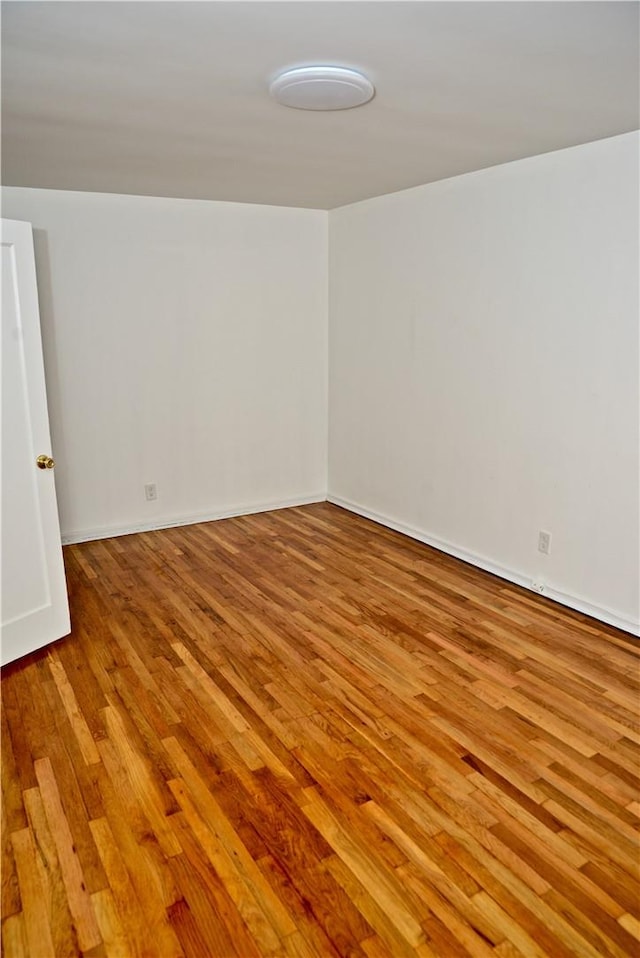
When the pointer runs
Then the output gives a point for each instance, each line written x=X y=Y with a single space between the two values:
x=537 y=585
x=544 y=542
x=150 y=491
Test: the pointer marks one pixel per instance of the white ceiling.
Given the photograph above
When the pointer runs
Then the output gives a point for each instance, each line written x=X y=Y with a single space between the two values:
x=170 y=98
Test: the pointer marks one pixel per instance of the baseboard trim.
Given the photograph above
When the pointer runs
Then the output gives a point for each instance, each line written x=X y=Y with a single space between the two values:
x=110 y=532
x=573 y=602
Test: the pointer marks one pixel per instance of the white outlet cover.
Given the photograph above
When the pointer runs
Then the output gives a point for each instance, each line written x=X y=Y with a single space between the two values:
x=544 y=542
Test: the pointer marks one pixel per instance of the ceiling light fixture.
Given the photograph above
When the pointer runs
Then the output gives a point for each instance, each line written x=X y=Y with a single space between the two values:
x=322 y=88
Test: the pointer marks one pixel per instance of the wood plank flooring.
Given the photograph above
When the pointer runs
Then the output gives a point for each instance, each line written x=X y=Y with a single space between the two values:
x=301 y=734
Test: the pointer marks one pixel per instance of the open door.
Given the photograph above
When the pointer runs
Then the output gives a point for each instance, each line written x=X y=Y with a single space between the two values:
x=35 y=606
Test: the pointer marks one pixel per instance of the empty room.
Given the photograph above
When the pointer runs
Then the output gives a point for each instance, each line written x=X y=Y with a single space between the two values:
x=320 y=479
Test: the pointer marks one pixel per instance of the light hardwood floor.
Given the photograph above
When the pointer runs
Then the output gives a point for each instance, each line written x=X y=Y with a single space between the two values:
x=299 y=733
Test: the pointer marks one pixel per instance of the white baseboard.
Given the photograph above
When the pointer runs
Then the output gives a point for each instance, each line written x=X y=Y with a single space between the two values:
x=109 y=532
x=573 y=602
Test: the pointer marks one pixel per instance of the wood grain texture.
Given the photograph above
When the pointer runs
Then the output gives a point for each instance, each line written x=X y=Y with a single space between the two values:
x=301 y=734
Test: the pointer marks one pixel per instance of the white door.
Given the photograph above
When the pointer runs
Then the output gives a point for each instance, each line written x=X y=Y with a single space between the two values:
x=35 y=607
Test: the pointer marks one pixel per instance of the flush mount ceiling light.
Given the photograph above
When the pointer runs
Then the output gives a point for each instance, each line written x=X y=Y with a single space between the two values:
x=322 y=88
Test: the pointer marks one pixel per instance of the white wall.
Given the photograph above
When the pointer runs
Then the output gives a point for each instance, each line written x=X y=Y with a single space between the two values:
x=483 y=363
x=185 y=344
x=484 y=368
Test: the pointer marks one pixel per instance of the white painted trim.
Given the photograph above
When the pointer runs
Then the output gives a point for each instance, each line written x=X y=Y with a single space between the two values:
x=571 y=601
x=109 y=532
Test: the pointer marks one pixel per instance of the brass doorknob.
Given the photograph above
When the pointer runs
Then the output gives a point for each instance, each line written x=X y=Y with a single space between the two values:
x=45 y=462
